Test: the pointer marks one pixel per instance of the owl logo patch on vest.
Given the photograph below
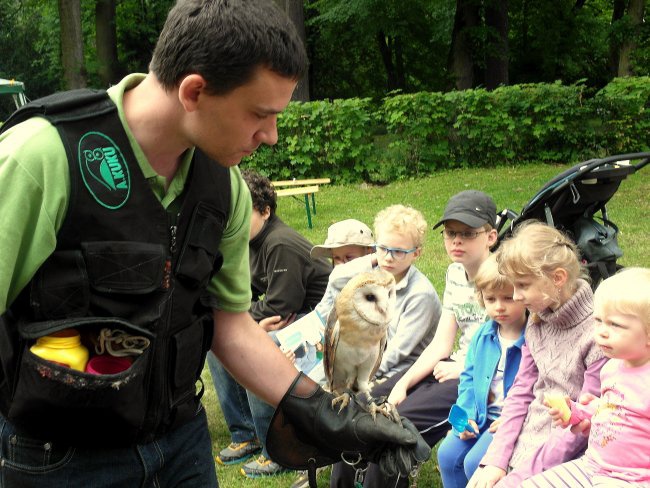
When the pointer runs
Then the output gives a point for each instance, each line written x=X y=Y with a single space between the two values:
x=104 y=170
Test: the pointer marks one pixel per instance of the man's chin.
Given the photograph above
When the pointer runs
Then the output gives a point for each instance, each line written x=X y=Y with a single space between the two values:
x=228 y=162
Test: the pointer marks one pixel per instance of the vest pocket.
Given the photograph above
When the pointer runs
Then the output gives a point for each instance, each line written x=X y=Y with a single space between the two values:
x=60 y=288
x=56 y=402
x=187 y=355
x=124 y=266
x=200 y=257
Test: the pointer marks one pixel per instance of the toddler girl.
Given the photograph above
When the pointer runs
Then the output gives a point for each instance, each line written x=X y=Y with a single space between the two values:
x=619 y=441
x=559 y=355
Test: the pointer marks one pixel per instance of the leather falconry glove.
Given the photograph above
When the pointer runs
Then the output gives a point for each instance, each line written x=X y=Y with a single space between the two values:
x=306 y=433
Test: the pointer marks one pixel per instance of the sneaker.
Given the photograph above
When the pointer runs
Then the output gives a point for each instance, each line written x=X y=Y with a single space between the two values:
x=262 y=467
x=303 y=478
x=237 y=452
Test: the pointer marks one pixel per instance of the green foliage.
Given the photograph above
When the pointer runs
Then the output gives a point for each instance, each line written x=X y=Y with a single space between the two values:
x=324 y=138
x=29 y=45
x=410 y=135
x=420 y=124
x=559 y=41
x=624 y=109
x=344 y=47
x=138 y=25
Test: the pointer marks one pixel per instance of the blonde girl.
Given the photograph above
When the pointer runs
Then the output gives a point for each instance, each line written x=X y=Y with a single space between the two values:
x=560 y=355
x=619 y=442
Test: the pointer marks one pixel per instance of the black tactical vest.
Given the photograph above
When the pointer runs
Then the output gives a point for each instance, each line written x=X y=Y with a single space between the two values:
x=122 y=262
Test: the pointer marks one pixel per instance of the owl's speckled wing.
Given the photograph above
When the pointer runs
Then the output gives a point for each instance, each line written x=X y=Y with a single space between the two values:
x=332 y=330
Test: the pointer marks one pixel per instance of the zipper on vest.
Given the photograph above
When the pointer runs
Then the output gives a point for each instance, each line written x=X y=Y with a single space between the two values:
x=173 y=247
x=172 y=233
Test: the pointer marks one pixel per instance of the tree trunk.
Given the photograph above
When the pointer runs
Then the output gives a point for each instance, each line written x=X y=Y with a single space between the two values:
x=72 y=53
x=386 y=47
x=399 y=64
x=635 y=11
x=106 y=40
x=461 y=54
x=294 y=10
x=497 y=54
x=614 y=41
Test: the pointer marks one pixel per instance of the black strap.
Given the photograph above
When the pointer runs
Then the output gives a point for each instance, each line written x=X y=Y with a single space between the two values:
x=62 y=106
x=311 y=473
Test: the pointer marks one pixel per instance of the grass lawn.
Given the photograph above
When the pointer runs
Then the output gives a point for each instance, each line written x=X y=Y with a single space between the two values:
x=511 y=187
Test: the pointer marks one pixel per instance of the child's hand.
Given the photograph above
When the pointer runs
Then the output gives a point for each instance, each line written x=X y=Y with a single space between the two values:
x=276 y=322
x=559 y=412
x=397 y=394
x=495 y=425
x=486 y=477
x=464 y=435
x=291 y=356
x=584 y=426
x=447 y=370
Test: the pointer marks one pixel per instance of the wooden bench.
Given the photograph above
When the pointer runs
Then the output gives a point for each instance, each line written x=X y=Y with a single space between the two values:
x=307 y=187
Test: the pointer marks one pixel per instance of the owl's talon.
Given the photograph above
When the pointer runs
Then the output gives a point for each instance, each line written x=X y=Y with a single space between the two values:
x=386 y=409
x=343 y=399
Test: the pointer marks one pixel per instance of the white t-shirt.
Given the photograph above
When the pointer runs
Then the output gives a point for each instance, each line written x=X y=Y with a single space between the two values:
x=496 y=396
x=460 y=300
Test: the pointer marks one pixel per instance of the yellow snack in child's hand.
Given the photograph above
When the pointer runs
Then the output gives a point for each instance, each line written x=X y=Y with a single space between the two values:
x=558 y=402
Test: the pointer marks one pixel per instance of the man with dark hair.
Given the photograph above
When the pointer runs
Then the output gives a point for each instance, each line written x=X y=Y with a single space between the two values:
x=286 y=282
x=125 y=218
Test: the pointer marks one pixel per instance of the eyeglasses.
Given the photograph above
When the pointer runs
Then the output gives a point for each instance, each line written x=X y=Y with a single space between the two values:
x=467 y=235
x=395 y=252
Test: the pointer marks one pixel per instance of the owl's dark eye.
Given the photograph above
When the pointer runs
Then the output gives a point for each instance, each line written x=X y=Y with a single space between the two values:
x=371 y=298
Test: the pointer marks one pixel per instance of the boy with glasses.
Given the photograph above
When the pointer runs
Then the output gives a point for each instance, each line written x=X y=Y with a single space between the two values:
x=399 y=233
x=427 y=390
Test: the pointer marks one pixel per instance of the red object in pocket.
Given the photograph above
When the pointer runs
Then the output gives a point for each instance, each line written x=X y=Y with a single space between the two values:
x=107 y=364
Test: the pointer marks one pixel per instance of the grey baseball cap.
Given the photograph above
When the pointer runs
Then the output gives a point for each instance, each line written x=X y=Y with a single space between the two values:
x=471 y=207
x=348 y=232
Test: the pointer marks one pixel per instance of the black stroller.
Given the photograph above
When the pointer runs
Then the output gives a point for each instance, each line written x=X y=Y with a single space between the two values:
x=570 y=202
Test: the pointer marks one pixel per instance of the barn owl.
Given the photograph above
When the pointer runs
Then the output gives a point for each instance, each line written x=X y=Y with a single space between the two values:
x=356 y=335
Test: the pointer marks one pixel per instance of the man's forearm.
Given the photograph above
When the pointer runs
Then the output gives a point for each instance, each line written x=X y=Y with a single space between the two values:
x=250 y=355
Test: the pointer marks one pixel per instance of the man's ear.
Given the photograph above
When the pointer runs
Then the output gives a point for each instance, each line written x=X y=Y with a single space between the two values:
x=189 y=91
x=560 y=277
x=266 y=214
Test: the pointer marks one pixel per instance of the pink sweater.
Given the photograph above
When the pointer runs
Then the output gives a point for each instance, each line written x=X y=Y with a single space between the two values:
x=559 y=355
x=619 y=440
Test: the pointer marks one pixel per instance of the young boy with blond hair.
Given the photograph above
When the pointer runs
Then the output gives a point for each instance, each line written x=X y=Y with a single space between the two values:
x=399 y=233
x=491 y=365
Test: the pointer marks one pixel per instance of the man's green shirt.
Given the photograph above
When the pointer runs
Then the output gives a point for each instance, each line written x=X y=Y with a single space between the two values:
x=35 y=188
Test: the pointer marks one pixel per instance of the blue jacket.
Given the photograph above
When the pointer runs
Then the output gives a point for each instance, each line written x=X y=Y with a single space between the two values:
x=480 y=366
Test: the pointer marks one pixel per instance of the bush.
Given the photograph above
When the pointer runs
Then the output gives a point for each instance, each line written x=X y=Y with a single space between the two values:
x=320 y=138
x=413 y=135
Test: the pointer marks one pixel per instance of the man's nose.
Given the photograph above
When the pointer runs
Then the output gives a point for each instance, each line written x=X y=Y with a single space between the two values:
x=269 y=133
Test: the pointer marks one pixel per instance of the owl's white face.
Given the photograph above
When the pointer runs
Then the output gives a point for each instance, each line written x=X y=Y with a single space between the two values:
x=375 y=302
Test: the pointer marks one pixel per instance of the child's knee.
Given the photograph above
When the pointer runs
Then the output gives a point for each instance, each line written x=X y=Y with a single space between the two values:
x=449 y=452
